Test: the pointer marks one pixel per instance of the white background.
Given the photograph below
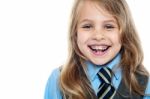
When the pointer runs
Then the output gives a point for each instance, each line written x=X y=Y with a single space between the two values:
x=33 y=41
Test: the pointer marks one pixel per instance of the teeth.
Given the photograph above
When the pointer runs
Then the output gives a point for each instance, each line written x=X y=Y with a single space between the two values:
x=101 y=48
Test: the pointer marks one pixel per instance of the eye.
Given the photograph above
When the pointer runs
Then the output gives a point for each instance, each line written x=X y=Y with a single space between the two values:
x=109 y=27
x=87 y=26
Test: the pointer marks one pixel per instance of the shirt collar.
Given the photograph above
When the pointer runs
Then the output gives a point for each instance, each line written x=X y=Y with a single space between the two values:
x=93 y=69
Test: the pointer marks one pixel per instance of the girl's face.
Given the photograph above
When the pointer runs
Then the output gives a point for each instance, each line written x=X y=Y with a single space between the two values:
x=98 y=35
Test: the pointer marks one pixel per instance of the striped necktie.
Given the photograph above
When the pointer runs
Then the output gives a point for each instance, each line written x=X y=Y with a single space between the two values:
x=105 y=90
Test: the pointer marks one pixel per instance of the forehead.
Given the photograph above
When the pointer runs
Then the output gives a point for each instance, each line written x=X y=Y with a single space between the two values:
x=93 y=10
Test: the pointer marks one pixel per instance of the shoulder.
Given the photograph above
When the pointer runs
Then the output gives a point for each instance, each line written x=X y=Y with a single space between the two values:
x=52 y=90
x=54 y=75
x=147 y=91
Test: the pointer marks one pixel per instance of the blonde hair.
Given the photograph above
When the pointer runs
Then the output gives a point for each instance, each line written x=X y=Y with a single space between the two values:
x=74 y=83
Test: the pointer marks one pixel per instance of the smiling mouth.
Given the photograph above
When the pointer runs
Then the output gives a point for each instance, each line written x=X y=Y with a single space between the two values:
x=99 y=48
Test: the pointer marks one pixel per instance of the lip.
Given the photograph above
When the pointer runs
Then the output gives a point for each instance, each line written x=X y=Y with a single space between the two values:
x=99 y=44
x=98 y=52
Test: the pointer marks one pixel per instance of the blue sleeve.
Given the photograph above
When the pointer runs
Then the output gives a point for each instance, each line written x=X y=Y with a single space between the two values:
x=147 y=91
x=52 y=90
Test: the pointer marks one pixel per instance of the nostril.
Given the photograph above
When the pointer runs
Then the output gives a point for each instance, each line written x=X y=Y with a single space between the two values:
x=98 y=37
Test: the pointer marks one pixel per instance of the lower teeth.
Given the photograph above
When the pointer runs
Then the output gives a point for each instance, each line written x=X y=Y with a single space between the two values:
x=97 y=50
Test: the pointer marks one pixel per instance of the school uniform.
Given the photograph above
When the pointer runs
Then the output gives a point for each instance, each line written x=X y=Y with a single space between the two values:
x=52 y=90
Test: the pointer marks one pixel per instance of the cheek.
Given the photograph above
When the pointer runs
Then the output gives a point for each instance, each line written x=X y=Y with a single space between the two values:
x=115 y=38
x=78 y=37
x=81 y=38
x=79 y=41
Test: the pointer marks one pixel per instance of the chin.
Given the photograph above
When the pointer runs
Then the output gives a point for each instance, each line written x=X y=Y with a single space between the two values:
x=100 y=62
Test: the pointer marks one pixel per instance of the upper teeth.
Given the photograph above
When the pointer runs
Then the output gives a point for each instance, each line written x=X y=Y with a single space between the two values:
x=96 y=47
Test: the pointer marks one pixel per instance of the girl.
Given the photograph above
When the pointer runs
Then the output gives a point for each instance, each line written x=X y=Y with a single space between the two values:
x=102 y=41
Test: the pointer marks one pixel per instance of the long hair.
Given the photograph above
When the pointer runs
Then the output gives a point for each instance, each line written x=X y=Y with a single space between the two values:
x=73 y=81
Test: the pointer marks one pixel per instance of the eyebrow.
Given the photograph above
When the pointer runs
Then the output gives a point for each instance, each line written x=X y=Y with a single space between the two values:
x=105 y=21
x=111 y=20
x=85 y=20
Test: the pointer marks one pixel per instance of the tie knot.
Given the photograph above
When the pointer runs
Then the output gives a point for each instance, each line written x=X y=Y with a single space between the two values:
x=105 y=75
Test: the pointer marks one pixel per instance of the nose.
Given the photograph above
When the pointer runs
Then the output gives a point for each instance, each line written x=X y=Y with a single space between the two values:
x=98 y=34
